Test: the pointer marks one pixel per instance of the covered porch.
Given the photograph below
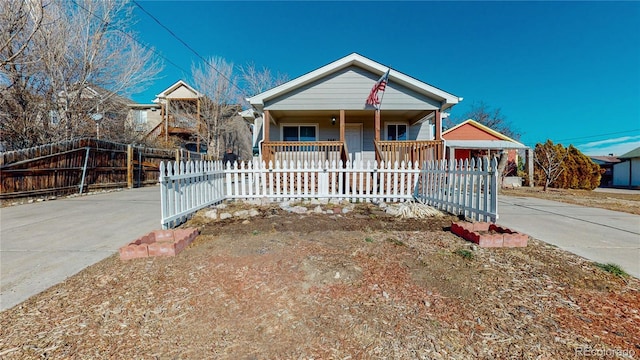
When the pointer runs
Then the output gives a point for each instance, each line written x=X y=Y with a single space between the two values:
x=351 y=135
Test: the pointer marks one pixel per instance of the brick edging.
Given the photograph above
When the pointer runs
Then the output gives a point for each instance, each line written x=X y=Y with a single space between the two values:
x=479 y=233
x=159 y=243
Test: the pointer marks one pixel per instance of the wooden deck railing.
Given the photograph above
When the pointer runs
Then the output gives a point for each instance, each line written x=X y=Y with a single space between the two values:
x=294 y=151
x=409 y=151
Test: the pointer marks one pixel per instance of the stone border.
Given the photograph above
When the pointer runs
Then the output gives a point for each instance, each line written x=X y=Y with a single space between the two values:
x=159 y=243
x=478 y=232
x=407 y=209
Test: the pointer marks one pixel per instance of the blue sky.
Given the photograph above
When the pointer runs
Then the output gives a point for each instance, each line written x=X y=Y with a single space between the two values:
x=565 y=71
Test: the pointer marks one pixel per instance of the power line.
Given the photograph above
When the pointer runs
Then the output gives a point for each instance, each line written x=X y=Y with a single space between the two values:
x=187 y=45
x=132 y=38
x=599 y=135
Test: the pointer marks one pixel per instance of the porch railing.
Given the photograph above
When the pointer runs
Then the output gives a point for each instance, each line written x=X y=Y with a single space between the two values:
x=302 y=151
x=409 y=151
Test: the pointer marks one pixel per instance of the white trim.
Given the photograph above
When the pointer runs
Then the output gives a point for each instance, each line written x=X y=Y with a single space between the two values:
x=298 y=125
x=362 y=62
x=485 y=144
x=386 y=130
x=175 y=86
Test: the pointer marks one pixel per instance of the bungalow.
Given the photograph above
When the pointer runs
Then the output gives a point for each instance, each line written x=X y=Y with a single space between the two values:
x=470 y=139
x=324 y=115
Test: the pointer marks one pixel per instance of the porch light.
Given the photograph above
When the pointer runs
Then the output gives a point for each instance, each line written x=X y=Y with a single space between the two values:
x=333 y=120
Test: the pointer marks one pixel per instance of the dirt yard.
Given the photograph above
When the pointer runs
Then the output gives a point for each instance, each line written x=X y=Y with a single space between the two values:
x=361 y=285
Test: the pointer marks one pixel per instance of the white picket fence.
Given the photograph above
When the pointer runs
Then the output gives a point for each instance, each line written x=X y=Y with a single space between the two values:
x=188 y=187
x=468 y=188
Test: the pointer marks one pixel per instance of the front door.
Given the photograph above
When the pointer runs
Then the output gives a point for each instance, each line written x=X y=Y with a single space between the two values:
x=353 y=139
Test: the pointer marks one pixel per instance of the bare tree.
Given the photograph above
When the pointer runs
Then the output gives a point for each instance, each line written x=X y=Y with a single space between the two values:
x=79 y=62
x=237 y=136
x=485 y=115
x=550 y=159
x=259 y=80
x=20 y=21
x=215 y=80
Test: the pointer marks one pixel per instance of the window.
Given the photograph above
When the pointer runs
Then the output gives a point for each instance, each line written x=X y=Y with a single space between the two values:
x=396 y=132
x=54 y=117
x=139 y=120
x=299 y=133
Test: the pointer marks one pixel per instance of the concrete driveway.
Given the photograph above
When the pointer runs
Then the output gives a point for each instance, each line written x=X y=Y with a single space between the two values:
x=42 y=244
x=600 y=235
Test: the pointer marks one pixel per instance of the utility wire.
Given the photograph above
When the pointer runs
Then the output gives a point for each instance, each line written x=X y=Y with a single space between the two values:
x=599 y=135
x=132 y=38
x=186 y=45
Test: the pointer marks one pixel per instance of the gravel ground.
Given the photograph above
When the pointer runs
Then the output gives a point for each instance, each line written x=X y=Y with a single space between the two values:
x=361 y=285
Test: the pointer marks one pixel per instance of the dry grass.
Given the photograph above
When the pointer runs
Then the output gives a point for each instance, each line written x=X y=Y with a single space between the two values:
x=624 y=202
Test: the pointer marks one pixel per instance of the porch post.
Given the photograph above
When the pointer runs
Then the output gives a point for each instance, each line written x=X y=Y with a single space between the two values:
x=438 y=123
x=377 y=126
x=265 y=126
x=166 y=123
x=438 y=135
x=342 y=125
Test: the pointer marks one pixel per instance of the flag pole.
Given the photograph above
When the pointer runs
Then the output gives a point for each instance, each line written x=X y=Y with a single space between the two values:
x=382 y=96
x=377 y=113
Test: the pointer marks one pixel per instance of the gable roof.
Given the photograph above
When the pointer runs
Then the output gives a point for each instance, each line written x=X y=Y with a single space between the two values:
x=631 y=154
x=358 y=60
x=601 y=160
x=471 y=122
x=501 y=142
x=176 y=86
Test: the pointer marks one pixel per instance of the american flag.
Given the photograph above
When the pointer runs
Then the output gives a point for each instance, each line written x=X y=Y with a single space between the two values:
x=378 y=87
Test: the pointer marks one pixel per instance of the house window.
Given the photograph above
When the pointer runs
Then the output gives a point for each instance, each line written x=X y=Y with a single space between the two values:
x=299 y=133
x=396 y=132
x=139 y=120
x=54 y=117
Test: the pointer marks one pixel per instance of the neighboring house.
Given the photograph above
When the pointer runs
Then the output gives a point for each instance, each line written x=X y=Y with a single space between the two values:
x=606 y=165
x=92 y=105
x=470 y=139
x=627 y=172
x=175 y=114
x=323 y=115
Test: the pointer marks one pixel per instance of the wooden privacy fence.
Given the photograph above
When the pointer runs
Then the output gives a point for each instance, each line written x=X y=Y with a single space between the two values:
x=188 y=187
x=468 y=188
x=79 y=165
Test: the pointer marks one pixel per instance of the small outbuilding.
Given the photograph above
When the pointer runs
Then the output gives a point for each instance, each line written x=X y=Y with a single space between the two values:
x=626 y=173
x=470 y=139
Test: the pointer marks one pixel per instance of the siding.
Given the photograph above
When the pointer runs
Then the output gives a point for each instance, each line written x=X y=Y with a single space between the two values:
x=153 y=119
x=624 y=176
x=182 y=93
x=469 y=132
x=422 y=131
x=348 y=89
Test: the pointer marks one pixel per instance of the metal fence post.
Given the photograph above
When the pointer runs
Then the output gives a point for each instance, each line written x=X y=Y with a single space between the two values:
x=130 y=166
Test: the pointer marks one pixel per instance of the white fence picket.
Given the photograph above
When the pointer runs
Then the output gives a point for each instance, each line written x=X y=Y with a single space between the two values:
x=466 y=188
x=462 y=188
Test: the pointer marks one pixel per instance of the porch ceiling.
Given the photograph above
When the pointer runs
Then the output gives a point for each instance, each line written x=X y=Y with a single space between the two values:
x=410 y=116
